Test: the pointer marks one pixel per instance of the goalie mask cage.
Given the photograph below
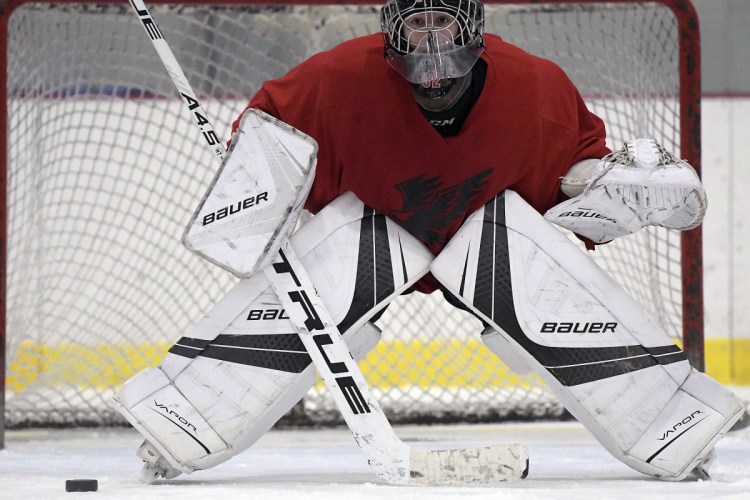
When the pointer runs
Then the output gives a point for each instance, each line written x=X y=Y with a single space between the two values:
x=104 y=167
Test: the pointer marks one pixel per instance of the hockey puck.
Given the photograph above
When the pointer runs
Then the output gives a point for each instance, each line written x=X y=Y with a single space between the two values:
x=81 y=485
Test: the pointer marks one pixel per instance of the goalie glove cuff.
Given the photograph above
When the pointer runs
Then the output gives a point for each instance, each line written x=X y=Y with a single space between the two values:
x=578 y=177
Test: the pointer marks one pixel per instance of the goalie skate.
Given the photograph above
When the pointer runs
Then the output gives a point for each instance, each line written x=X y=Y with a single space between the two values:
x=155 y=466
x=700 y=472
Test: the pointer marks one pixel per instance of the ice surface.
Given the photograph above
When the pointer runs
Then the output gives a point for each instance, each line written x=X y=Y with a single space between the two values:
x=566 y=463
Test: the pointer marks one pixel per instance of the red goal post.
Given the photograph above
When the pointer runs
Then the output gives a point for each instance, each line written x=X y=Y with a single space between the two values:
x=95 y=283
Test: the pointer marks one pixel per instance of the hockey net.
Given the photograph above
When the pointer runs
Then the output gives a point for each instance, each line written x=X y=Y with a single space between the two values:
x=104 y=168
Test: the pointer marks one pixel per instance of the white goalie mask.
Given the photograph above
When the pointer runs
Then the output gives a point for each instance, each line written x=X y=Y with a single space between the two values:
x=430 y=40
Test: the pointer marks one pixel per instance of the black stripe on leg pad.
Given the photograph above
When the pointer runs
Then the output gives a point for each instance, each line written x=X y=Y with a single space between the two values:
x=191 y=342
x=374 y=281
x=282 y=352
x=291 y=362
x=493 y=297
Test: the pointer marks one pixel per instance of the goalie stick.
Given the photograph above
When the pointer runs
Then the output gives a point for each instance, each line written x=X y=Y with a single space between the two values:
x=391 y=459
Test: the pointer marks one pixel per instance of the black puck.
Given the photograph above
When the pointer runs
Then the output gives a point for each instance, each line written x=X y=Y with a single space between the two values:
x=81 y=485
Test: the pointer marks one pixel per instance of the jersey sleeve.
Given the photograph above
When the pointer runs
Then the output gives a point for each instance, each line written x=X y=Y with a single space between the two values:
x=591 y=144
x=262 y=101
x=296 y=101
x=587 y=135
x=591 y=134
x=276 y=97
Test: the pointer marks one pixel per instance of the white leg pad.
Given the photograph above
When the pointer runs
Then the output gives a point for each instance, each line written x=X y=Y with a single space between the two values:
x=243 y=366
x=222 y=425
x=155 y=407
x=695 y=418
x=608 y=362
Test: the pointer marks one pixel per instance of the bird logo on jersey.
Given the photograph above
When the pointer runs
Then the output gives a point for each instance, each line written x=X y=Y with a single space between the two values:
x=430 y=208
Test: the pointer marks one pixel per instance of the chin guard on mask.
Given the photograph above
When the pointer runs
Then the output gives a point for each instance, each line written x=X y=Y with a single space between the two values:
x=435 y=89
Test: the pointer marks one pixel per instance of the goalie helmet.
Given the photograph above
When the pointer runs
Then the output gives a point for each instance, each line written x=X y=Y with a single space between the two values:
x=432 y=40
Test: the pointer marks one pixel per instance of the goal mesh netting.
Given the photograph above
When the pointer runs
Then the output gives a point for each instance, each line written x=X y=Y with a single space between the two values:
x=104 y=168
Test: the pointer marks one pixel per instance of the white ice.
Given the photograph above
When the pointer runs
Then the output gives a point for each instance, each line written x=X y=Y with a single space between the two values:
x=565 y=463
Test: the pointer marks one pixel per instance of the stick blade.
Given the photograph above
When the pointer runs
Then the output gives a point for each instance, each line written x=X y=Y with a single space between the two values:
x=492 y=464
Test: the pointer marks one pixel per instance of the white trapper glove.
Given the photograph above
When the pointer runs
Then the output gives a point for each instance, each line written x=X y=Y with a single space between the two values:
x=641 y=184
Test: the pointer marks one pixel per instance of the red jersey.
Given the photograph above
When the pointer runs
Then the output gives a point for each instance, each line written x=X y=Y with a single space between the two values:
x=528 y=127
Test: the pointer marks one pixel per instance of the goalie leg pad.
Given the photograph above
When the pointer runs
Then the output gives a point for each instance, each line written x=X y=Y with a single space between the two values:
x=157 y=409
x=199 y=420
x=610 y=364
x=241 y=367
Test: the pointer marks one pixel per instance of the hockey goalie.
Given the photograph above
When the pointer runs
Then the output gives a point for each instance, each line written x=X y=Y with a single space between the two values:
x=440 y=160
